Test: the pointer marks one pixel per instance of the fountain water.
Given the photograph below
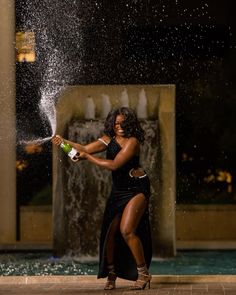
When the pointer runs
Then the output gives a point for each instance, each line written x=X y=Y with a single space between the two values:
x=89 y=113
x=124 y=98
x=106 y=105
x=142 y=105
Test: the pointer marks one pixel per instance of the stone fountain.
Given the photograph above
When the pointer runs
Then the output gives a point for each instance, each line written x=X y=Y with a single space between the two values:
x=80 y=190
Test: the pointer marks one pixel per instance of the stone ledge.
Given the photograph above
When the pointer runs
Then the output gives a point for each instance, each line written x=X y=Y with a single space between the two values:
x=205 y=207
x=27 y=280
x=26 y=246
x=206 y=245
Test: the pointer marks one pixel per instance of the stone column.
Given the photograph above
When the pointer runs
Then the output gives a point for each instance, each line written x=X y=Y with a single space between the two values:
x=164 y=222
x=7 y=123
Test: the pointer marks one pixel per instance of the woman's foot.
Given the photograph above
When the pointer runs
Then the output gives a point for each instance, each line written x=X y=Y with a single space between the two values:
x=142 y=281
x=111 y=281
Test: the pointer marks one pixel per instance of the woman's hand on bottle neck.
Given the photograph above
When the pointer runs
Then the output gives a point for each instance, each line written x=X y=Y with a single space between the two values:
x=57 y=140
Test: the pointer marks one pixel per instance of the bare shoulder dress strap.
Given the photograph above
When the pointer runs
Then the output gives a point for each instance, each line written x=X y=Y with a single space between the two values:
x=103 y=141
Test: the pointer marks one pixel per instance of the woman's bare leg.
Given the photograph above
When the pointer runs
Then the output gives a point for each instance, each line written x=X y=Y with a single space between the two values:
x=111 y=238
x=129 y=222
x=130 y=219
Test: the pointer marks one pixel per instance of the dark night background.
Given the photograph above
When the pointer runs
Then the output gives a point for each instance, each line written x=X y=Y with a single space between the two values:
x=188 y=43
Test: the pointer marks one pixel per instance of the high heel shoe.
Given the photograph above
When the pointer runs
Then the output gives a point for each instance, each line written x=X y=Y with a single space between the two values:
x=142 y=281
x=111 y=281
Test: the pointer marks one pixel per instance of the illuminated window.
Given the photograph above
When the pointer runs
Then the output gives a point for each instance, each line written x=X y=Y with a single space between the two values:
x=25 y=47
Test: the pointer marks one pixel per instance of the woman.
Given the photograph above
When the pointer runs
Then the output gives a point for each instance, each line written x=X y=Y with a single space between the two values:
x=125 y=244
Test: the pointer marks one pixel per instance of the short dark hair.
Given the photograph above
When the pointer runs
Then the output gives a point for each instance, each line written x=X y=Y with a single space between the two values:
x=130 y=125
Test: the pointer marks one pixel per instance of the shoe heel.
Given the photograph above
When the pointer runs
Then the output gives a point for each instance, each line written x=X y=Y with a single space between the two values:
x=142 y=282
x=146 y=285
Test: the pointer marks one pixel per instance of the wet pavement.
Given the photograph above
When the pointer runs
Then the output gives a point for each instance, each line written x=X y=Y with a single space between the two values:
x=86 y=289
x=215 y=285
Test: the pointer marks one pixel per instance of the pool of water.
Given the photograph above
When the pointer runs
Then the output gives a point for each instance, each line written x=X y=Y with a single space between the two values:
x=184 y=263
x=197 y=263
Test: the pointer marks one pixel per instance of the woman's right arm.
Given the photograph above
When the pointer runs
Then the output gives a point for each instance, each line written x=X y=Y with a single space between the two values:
x=91 y=148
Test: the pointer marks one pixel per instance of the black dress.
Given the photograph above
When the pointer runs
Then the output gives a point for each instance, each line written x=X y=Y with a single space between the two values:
x=124 y=188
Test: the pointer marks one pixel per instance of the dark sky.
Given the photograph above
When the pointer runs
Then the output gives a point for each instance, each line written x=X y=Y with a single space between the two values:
x=185 y=42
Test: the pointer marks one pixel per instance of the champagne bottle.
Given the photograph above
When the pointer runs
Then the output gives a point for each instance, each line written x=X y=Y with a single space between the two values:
x=70 y=151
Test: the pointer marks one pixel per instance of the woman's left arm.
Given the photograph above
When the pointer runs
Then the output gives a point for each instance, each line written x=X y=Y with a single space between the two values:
x=130 y=148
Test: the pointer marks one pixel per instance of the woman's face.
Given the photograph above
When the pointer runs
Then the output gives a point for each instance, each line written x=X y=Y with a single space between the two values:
x=117 y=127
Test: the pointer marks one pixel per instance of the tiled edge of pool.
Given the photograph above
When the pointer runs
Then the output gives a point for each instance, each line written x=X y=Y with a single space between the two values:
x=93 y=279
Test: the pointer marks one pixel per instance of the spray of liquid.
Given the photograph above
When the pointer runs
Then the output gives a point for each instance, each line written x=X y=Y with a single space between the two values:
x=48 y=113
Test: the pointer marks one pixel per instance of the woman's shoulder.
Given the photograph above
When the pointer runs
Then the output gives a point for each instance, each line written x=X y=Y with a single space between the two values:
x=132 y=141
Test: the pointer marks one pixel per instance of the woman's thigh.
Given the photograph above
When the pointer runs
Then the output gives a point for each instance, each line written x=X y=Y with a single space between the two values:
x=132 y=213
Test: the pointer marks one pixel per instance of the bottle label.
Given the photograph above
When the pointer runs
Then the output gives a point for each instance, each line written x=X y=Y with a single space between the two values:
x=72 y=153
